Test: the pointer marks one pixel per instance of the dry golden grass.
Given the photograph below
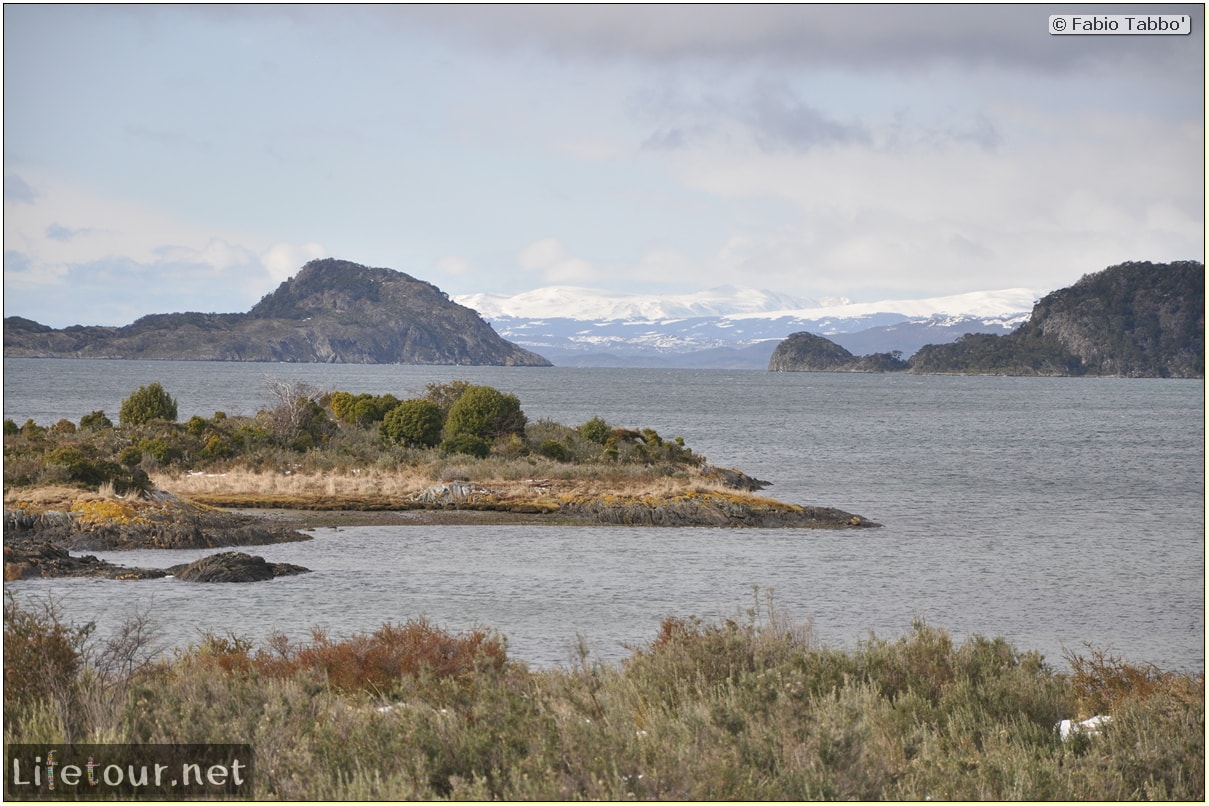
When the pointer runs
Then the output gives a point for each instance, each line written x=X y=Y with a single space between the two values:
x=50 y=497
x=405 y=484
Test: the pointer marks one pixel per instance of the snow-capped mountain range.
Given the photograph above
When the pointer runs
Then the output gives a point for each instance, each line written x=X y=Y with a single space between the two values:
x=731 y=327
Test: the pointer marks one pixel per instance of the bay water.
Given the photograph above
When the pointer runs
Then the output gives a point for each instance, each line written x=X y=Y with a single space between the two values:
x=1059 y=513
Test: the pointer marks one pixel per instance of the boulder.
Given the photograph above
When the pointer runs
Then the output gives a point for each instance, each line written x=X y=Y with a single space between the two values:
x=233 y=566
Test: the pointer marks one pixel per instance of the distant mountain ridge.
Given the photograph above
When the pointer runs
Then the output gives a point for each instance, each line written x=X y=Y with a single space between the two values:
x=331 y=311
x=731 y=328
x=1138 y=319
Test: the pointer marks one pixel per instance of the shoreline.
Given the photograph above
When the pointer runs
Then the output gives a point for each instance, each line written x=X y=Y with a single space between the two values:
x=43 y=528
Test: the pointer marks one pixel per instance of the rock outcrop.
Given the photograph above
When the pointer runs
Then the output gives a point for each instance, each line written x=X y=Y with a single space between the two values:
x=163 y=522
x=32 y=560
x=233 y=566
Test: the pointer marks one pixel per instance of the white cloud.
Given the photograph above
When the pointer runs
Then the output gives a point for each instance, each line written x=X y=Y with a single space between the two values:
x=549 y=258
x=1042 y=210
x=283 y=260
x=541 y=255
x=453 y=266
x=106 y=259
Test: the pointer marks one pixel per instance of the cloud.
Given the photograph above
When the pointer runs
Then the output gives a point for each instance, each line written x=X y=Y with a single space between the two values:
x=779 y=119
x=17 y=189
x=283 y=260
x=542 y=254
x=128 y=259
x=452 y=265
x=60 y=233
x=554 y=263
x=1040 y=209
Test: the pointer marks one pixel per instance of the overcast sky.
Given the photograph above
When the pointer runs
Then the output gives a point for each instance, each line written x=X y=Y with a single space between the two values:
x=173 y=158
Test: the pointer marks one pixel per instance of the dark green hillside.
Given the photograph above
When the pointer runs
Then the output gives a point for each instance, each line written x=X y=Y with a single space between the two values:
x=1134 y=320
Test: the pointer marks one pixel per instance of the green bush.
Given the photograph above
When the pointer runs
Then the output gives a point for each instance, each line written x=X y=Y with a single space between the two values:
x=147 y=403
x=415 y=423
x=596 y=430
x=485 y=412
x=363 y=409
x=95 y=421
x=162 y=451
x=76 y=465
x=10 y=427
x=130 y=456
x=64 y=426
x=216 y=447
x=468 y=444
x=555 y=450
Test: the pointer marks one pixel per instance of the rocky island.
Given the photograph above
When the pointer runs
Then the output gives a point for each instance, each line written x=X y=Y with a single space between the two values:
x=1134 y=320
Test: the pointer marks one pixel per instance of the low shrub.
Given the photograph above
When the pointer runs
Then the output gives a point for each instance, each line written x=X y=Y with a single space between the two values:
x=467 y=444
x=596 y=430
x=376 y=661
x=552 y=449
x=95 y=421
x=749 y=709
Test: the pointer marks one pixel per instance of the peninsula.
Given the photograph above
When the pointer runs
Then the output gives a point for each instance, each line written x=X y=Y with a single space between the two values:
x=462 y=453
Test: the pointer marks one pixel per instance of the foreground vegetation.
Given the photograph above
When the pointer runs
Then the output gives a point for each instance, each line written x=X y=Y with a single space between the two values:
x=749 y=709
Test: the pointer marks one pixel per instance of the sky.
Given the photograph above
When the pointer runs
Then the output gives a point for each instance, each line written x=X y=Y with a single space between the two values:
x=191 y=158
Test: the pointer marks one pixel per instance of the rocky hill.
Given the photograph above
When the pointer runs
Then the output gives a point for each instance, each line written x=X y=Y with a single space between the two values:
x=332 y=311
x=1138 y=320
x=808 y=352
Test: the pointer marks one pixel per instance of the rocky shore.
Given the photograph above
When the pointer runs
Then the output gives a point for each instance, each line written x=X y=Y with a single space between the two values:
x=39 y=539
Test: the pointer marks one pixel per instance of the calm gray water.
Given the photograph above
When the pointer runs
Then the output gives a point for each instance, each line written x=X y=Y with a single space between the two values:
x=1052 y=511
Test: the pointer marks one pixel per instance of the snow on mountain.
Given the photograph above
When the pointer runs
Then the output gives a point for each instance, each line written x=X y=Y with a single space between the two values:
x=992 y=304
x=730 y=326
x=590 y=304
x=594 y=305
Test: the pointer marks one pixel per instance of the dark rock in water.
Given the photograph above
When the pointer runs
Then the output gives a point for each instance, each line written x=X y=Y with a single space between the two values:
x=33 y=560
x=233 y=566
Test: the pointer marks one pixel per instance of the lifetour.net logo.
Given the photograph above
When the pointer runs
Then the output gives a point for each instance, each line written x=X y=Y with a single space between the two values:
x=109 y=771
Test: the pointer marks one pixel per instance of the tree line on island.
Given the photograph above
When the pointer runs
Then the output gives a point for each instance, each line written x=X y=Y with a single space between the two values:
x=1133 y=320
